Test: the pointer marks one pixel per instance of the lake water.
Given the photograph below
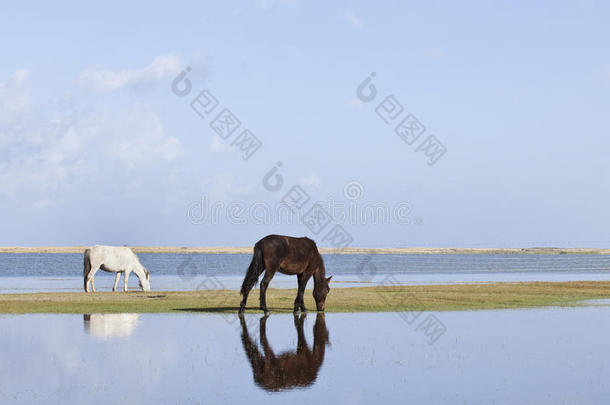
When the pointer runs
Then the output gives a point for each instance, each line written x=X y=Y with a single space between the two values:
x=538 y=356
x=63 y=272
x=541 y=356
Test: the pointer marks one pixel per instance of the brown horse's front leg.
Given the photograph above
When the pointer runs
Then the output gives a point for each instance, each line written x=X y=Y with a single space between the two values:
x=299 y=303
x=264 y=284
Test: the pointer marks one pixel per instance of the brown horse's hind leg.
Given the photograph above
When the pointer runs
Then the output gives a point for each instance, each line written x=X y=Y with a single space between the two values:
x=299 y=303
x=266 y=280
x=242 y=304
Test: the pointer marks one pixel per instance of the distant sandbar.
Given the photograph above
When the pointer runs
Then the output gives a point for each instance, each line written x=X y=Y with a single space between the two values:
x=323 y=250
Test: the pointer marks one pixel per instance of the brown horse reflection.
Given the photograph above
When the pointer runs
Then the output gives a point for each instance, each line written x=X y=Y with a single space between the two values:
x=287 y=370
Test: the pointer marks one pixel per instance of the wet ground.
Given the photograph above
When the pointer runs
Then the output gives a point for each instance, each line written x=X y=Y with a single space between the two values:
x=548 y=356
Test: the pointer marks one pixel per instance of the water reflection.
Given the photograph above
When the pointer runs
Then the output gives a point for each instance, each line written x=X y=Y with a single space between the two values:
x=295 y=369
x=109 y=326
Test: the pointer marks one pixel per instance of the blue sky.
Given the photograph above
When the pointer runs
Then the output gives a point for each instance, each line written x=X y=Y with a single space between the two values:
x=96 y=148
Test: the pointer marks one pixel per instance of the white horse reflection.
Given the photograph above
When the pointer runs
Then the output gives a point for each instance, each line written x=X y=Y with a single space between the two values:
x=109 y=326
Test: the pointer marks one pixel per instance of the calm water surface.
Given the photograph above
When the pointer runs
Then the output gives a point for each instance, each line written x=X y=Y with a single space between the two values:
x=543 y=356
x=63 y=272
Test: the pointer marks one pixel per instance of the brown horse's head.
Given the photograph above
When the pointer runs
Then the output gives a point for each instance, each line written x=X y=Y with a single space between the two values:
x=320 y=291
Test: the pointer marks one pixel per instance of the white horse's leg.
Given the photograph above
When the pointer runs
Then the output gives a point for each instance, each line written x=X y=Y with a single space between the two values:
x=91 y=279
x=117 y=277
x=126 y=278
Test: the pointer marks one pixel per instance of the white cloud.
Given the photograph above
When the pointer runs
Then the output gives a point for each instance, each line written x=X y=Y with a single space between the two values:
x=266 y=4
x=50 y=149
x=42 y=203
x=20 y=75
x=161 y=68
x=14 y=98
x=105 y=148
x=219 y=146
x=355 y=102
x=262 y=3
x=434 y=53
x=223 y=187
x=294 y=51
x=312 y=180
x=40 y=161
x=353 y=20
x=138 y=140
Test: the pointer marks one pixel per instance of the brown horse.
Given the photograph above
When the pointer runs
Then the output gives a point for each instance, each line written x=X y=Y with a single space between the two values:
x=289 y=369
x=287 y=255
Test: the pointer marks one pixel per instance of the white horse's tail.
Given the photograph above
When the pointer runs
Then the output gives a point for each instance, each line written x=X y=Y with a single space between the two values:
x=87 y=266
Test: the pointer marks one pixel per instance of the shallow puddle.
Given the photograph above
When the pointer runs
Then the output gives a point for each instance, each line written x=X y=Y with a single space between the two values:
x=518 y=356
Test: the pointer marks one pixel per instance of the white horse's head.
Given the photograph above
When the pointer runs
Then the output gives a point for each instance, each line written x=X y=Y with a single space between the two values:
x=145 y=284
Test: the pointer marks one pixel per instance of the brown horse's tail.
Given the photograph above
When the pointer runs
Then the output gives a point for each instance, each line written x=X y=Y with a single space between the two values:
x=87 y=266
x=255 y=269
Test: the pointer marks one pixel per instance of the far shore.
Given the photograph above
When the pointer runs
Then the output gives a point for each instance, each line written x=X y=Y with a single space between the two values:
x=323 y=250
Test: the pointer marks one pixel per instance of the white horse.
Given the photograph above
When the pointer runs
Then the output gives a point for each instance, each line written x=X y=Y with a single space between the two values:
x=116 y=260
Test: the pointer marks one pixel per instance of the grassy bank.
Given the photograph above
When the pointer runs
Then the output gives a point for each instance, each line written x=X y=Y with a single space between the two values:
x=361 y=299
x=323 y=250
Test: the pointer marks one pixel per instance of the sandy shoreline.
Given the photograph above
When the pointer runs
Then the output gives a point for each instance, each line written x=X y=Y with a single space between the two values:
x=349 y=250
x=354 y=299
